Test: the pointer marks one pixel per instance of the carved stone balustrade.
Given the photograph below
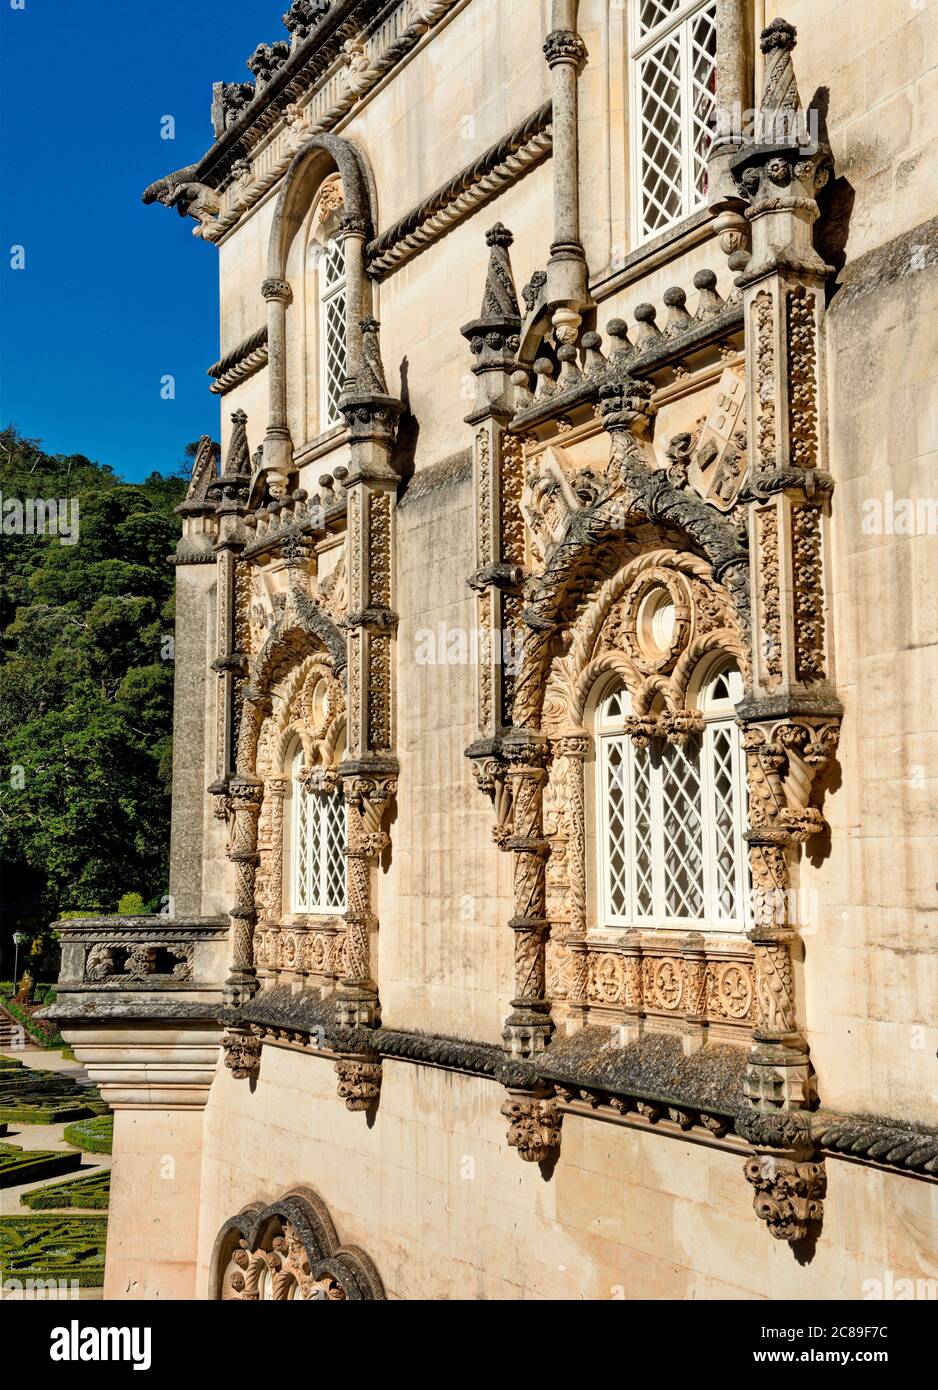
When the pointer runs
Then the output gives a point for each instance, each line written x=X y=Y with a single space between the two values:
x=139 y=1000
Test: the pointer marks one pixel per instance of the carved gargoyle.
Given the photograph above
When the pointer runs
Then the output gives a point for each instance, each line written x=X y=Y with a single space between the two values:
x=182 y=191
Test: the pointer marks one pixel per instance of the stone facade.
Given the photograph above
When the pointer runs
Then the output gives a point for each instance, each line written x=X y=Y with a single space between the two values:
x=646 y=463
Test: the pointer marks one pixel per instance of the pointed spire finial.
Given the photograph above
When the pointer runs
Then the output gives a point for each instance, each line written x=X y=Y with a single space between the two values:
x=371 y=379
x=500 y=300
x=779 y=88
x=238 y=458
x=204 y=470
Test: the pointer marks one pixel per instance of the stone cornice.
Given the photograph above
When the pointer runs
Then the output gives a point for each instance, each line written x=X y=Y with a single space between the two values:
x=648 y=1082
x=239 y=364
x=324 y=77
x=894 y=1144
x=518 y=152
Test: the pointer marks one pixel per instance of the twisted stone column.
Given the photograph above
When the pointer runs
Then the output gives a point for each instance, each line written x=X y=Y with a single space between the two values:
x=245 y=795
x=572 y=750
x=528 y=1028
x=275 y=792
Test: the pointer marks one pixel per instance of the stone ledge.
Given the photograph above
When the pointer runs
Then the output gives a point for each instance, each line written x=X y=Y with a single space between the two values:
x=117 y=1010
x=652 y=1069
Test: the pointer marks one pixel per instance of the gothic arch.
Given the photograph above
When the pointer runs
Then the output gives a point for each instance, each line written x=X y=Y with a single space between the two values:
x=314 y=161
x=289 y=1250
x=600 y=545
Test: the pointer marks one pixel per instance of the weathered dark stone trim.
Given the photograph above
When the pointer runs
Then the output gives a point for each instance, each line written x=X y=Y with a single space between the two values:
x=460 y=184
x=309 y=1014
x=450 y=472
x=196 y=558
x=870 y=1138
x=159 y=1009
x=238 y=354
x=887 y=265
x=652 y=1069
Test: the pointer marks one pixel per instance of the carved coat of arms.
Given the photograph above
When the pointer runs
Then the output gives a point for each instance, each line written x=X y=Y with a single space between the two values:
x=719 y=461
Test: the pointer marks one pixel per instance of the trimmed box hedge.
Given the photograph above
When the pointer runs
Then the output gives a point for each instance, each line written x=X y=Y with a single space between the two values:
x=28 y=1096
x=19 y=1165
x=53 y=1247
x=91 y=1136
x=93 y=1192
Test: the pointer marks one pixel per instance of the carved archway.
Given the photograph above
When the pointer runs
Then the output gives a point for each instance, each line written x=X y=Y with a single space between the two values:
x=289 y=1250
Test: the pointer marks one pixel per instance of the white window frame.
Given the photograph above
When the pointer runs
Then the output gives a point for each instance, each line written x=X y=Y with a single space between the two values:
x=640 y=46
x=719 y=716
x=309 y=881
x=329 y=415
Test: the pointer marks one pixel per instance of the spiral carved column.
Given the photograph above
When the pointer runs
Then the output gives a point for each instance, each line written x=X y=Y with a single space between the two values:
x=528 y=1028
x=245 y=799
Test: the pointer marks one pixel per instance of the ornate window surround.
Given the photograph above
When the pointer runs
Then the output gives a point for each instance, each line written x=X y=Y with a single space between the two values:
x=289 y=1251
x=328 y=325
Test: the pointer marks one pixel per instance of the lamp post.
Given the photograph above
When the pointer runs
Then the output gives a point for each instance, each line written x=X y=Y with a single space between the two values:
x=18 y=939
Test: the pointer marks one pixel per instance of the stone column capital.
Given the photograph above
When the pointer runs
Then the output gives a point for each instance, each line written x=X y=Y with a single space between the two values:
x=277 y=290
x=564 y=46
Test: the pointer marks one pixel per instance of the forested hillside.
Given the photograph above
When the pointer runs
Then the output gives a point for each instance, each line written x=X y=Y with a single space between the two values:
x=86 y=687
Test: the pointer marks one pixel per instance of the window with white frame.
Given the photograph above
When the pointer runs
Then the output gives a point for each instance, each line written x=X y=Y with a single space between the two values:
x=319 y=831
x=333 y=349
x=670 y=819
x=672 y=82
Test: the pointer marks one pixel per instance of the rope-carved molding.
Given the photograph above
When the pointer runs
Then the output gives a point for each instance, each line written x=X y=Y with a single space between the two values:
x=309 y=92
x=239 y=364
x=515 y=155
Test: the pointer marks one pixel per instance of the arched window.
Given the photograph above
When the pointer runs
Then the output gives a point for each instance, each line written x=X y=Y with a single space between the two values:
x=670 y=819
x=318 y=858
x=333 y=348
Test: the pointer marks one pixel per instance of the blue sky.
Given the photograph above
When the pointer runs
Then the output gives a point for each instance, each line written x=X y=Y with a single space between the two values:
x=114 y=295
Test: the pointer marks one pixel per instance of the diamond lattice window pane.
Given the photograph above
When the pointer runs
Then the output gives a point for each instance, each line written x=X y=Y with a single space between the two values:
x=661 y=154
x=682 y=831
x=332 y=266
x=315 y=851
x=617 y=842
x=724 y=821
x=652 y=12
x=333 y=356
x=333 y=896
x=643 y=850
x=703 y=43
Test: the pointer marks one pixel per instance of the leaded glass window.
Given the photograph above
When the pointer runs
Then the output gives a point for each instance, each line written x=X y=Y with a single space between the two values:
x=319 y=831
x=673 y=82
x=670 y=819
x=332 y=331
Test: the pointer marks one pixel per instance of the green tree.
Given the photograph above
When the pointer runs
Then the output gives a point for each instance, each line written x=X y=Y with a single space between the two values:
x=85 y=692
